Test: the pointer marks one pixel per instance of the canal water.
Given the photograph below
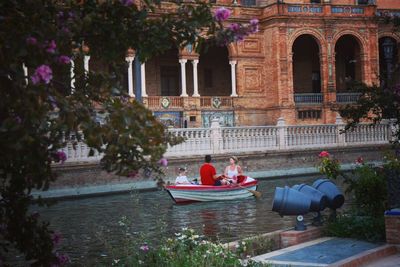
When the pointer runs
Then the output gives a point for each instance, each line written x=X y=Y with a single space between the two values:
x=85 y=224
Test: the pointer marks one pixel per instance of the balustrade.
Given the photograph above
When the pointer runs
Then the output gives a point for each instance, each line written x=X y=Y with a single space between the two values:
x=216 y=102
x=347 y=97
x=308 y=98
x=219 y=140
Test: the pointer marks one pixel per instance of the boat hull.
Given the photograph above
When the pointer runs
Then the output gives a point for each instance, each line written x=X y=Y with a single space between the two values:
x=199 y=193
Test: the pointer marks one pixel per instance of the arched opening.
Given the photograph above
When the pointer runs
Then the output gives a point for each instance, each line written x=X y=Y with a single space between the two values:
x=214 y=72
x=163 y=74
x=388 y=60
x=347 y=62
x=306 y=70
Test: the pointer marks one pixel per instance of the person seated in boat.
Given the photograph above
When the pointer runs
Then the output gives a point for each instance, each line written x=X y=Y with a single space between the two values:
x=233 y=171
x=208 y=174
x=182 y=178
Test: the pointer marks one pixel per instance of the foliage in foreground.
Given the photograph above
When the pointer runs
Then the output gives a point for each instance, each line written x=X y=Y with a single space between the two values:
x=40 y=108
x=367 y=185
x=353 y=225
x=187 y=248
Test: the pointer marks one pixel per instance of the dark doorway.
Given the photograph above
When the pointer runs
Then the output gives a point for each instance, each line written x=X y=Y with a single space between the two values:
x=348 y=62
x=169 y=81
x=306 y=65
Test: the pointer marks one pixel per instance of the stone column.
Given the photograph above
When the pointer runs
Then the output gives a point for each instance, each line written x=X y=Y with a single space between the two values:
x=72 y=73
x=281 y=124
x=233 y=77
x=25 y=73
x=130 y=59
x=195 y=79
x=143 y=79
x=86 y=64
x=183 y=76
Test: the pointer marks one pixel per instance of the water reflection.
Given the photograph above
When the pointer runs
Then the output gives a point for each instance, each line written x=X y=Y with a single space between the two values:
x=81 y=220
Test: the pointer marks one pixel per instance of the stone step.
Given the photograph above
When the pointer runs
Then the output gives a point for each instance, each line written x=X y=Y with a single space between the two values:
x=328 y=251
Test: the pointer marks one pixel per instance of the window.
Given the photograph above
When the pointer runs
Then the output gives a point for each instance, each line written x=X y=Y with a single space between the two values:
x=362 y=2
x=315 y=1
x=248 y=2
x=208 y=78
x=309 y=114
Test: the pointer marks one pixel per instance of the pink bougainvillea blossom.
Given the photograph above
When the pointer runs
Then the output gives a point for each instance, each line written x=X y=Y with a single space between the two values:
x=61 y=156
x=144 y=248
x=43 y=73
x=56 y=238
x=234 y=27
x=254 y=25
x=51 y=47
x=163 y=162
x=222 y=14
x=324 y=154
x=64 y=59
x=127 y=2
x=31 y=40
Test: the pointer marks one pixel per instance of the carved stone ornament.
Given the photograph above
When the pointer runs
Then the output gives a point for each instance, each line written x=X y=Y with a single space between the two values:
x=165 y=102
x=216 y=102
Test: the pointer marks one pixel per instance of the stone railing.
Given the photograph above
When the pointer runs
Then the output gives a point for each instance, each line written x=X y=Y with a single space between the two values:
x=220 y=140
x=347 y=97
x=216 y=102
x=164 y=101
x=308 y=98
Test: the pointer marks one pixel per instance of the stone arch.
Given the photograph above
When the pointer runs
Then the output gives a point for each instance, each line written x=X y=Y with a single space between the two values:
x=319 y=38
x=306 y=64
x=349 y=57
x=359 y=38
x=388 y=67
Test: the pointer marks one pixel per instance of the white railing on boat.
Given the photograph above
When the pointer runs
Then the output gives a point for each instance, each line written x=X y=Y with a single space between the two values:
x=219 y=140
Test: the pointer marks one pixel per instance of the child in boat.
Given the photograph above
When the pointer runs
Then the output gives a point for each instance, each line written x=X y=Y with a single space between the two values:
x=182 y=178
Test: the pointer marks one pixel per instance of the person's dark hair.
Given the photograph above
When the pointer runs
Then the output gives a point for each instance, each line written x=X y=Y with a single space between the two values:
x=182 y=169
x=207 y=158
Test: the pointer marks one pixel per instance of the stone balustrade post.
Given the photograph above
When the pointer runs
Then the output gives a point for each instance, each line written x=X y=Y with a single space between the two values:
x=216 y=136
x=393 y=129
x=282 y=131
x=341 y=138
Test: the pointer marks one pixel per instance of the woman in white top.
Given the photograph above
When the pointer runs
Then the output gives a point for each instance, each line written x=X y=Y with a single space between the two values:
x=182 y=178
x=233 y=170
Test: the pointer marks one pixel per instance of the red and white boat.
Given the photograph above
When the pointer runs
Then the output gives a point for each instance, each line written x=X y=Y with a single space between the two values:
x=193 y=193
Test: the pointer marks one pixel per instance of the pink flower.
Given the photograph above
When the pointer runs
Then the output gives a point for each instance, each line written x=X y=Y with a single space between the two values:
x=234 y=27
x=324 y=154
x=42 y=74
x=64 y=60
x=222 y=14
x=163 y=162
x=133 y=174
x=56 y=238
x=51 y=48
x=144 y=248
x=31 y=40
x=359 y=160
x=254 y=26
x=127 y=2
x=61 y=156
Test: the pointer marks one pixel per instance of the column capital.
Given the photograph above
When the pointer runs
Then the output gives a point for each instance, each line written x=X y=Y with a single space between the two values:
x=195 y=61
x=233 y=62
x=182 y=60
x=130 y=59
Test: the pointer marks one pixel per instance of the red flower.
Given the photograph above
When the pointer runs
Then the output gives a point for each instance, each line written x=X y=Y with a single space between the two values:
x=324 y=154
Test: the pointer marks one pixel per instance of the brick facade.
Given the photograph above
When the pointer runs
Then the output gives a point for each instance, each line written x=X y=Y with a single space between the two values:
x=302 y=48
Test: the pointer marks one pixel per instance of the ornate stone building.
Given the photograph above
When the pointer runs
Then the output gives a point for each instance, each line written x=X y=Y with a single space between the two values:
x=298 y=66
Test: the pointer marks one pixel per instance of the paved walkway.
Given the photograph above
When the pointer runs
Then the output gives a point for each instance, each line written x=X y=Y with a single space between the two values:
x=327 y=251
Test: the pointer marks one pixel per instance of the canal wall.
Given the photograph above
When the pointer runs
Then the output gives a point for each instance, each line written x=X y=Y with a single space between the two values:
x=87 y=178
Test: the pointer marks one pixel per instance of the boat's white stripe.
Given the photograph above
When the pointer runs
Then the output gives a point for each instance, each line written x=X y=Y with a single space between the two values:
x=212 y=195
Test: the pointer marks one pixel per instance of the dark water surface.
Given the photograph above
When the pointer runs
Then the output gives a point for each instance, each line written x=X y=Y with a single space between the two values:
x=84 y=222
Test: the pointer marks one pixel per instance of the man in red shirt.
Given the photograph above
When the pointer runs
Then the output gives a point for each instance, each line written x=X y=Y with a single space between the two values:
x=208 y=174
